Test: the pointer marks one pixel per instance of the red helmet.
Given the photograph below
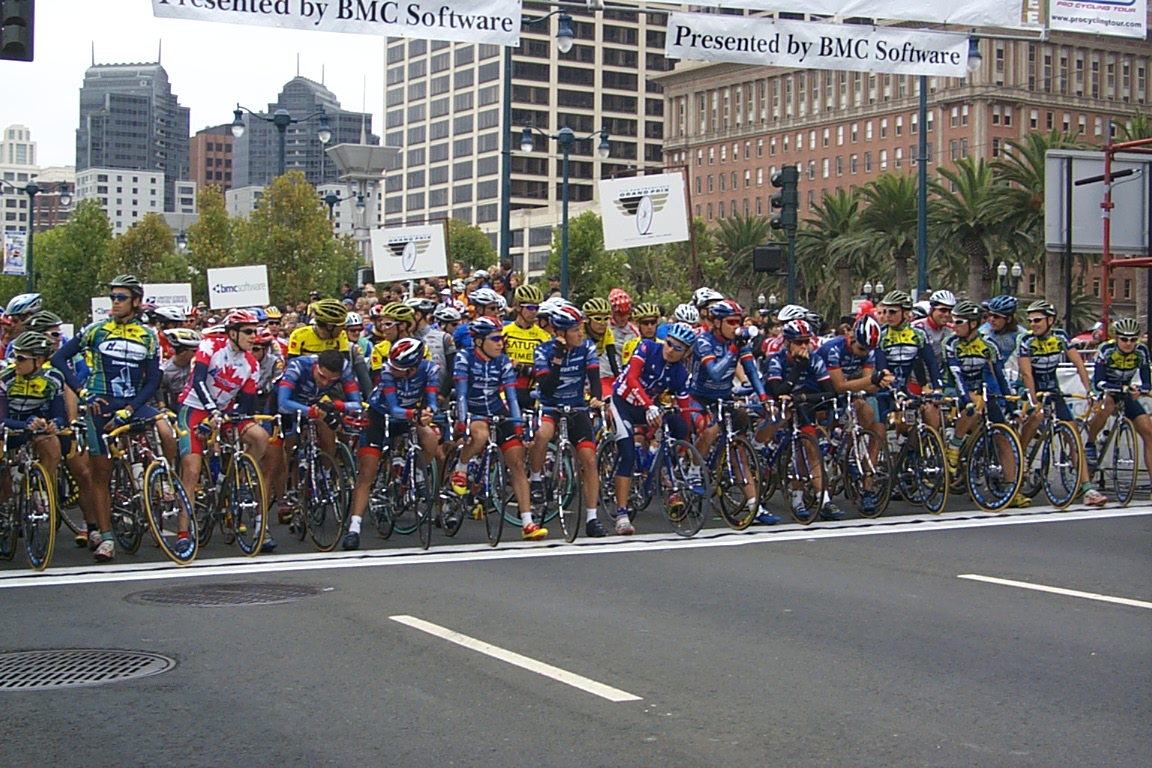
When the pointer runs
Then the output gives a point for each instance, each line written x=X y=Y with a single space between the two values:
x=264 y=336
x=239 y=317
x=620 y=300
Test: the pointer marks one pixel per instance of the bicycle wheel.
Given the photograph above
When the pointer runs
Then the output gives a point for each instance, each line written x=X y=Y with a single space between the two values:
x=451 y=515
x=684 y=495
x=1123 y=461
x=1060 y=464
x=168 y=509
x=347 y=461
x=247 y=503
x=907 y=482
x=867 y=473
x=834 y=479
x=68 y=500
x=769 y=477
x=607 y=457
x=404 y=508
x=381 y=499
x=986 y=476
x=38 y=508
x=797 y=472
x=1033 y=468
x=427 y=488
x=127 y=515
x=737 y=466
x=9 y=528
x=492 y=492
x=932 y=469
x=565 y=499
x=321 y=502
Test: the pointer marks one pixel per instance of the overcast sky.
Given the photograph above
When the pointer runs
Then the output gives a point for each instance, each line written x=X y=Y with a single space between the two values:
x=211 y=66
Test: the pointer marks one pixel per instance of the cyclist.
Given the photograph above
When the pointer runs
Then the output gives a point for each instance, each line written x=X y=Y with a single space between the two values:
x=620 y=321
x=354 y=327
x=394 y=322
x=522 y=337
x=935 y=323
x=770 y=345
x=684 y=313
x=598 y=313
x=1040 y=351
x=647 y=317
x=906 y=352
x=1117 y=362
x=481 y=376
x=485 y=303
x=32 y=400
x=20 y=308
x=703 y=298
x=223 y=380
x=270 y=366
x=163 y=319
x=326 y=332
x=654 y=370
x=430 y=332
x=124 y=355
x=406 y=394
x=174 y=372
x=562 y=366
x=972 y=362
x=793 y=374
x=1001 y=329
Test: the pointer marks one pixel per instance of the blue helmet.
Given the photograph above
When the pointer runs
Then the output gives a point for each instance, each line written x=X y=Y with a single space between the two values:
x=24 y=304
x=261 y=315
x=725 y=308
x=566 y=317
x=683 y=333
x=484 y=326
x=1003 y=305
x=797 y=329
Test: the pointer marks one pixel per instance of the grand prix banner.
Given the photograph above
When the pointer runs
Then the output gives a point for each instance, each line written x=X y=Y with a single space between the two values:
x=409 y=253
x=230 y=287
x=810 y=45
x=1121 y=18
x=643 y=210
x=168 y=294
x=15 y=248
x=472 y=21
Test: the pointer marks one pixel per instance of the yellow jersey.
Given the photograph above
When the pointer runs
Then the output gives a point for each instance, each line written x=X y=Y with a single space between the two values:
x=520 y=343
x=305 y=341
x=380 y=354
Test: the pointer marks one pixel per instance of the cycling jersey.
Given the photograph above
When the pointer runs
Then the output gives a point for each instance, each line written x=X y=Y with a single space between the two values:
x=903 y=350
x=305 y=341
x=39 y=396
x=714 y=362
x=123 y=358
x=606 y=351
x=563 y=384
x=935 y=335
x=172 y=381
x=401 y=397
x=1045 y=354
x=649 y=375
x=837 y=354
x=786 y=374
x=298 y=390
x=630 y=348
x=380 y=355
x=462 y=336
x=621 y=335
x=520 y=345
x=773 y=344
x=1116 y=370
x=971 y=364
x=221 y=376
x=481 y=383
x=1007 y=343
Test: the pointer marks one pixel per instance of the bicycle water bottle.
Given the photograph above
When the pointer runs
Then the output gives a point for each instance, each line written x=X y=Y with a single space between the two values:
x=214 y=467
x=397 y=466
x=138 y=474
x=17 y=476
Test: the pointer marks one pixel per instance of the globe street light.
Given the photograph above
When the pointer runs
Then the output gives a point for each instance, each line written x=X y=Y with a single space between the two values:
x=32 y=189
x=281 y=119
x=331 y=199
x=565 y=138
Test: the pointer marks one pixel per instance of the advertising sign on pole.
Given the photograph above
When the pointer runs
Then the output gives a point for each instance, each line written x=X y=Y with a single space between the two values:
x=230 y=287
x=409 y=253
x=643 y=210
x=15 y=253
x=168 y=294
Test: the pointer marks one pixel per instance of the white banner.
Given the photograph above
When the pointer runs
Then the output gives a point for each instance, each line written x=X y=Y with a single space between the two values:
x=168 y=294
x=230 y=287
x=1122 y=18
x=409 y=253
x=472 y=21
x=101 y=308
x=15 y=253
x=1015 y=14
x=643 y=210
x=811 y=45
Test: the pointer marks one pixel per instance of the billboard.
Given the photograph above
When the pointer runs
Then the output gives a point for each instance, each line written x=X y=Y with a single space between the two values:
x=409 y=253
x=644 y=210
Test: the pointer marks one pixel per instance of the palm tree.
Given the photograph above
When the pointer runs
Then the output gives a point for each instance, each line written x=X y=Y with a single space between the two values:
x=735 y=237
x=889 y=220
x=1136 y=127
x=826 y=242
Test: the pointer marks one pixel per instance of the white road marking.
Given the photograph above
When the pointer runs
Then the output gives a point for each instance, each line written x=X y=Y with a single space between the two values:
x=1056 y=590
x=464 y=553
x=517 y=660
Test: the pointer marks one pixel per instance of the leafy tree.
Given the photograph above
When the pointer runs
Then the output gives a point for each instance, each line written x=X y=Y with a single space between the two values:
x=68 y=260
x=1136 y=127
x=736 y=237
x=663 y=273
x=469 y=245
x=209 y=239
x=829 y=244
x=591 y=270
x=147 y=251
x=890 y=217
x=290 y=233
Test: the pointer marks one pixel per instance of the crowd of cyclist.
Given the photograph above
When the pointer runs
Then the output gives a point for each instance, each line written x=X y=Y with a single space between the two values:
x=469 y=357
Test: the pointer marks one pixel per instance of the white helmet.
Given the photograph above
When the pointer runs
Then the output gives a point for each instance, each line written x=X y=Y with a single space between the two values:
x=501 y=302
x=550 y=307
x=354 y=319
x=704 y=295
x=791 y=312
x=446 y=314
x=921 y=309
x=943 y=298
x=171 y=314
x=484 y=297
x=686 y=313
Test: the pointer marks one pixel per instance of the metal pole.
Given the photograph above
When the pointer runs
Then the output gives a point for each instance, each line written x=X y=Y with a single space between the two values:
x=564 y=226
x=506 y=159
x=29 y=278
x=791 y=265
x=282 y=129
x=1106 y=215
x=1067 y=266
x=922 y=195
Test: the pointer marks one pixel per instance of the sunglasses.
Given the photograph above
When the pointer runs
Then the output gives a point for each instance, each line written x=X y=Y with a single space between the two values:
x=1036 y=320
x=247 y=331
x=1127 y=338
x=354 y=328
x=647 y=322
x=120 y=296
x=259 y=347
x=386 y=325
x=803 y=341
x=273 y=322
x=735 y=322
x=530 y=307
x=495 y=339
x=23 y=358
x=53 y=334
x=598 y=318
x=676 y=347
x=891 y=311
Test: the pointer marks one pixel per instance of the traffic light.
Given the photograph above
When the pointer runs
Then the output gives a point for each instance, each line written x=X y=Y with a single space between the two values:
x=16 y=29
x=767 y=258
x=787 y=200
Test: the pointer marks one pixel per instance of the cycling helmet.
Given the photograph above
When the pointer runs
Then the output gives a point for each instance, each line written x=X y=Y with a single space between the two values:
x=420 y=305
x=920 y=310
x=620 y=300
x=528 y=294
x=238 y=317
x=183 y=338
x=33 y=343
x=273 y=313
x=791 y=312
x=42 y=321
x=1003 y=305
x=263 y=336
x=24 y=304
x=329 y=311
x=597 y=306
x=967 y=310
x=169 y=314
x=702 y=296
x=460 y=307
x=942 y=299
x=406 y=353
x=130 y=282
x=484 y=326
x=446 y=314
x=354 y=319
x=567 y=317
x=726 y=308
x=483 y=297
x=401 y=313
x=866 y=332
x=458 y=286
x=647 y=309
x=550 y=307
x=1044 y=306
x=686 y=313
x=815 y=319
x=797 y=329
x=501 y=304
x=376 y=310
x=683 y=333
x=897 y=299
x=480 y=274
x=191 y=312
x=214 y=330
x=1126 y=326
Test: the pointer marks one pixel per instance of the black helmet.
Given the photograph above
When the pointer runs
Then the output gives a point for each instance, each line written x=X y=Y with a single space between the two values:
x=42 y=321
x=33 y=343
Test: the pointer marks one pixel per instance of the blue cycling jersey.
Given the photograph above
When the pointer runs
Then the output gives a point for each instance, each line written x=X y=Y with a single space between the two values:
x=480 y=384
x=39 y=396
x=400 y=397
x=578 y=366
x=810 y=377
x=125 y=361
x=1114 y=369
x=837 y=354
x=298 y=390
x=714 y=362
x=648 y=376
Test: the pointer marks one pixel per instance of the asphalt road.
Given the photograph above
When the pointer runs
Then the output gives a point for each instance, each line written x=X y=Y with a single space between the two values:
x=839 y=645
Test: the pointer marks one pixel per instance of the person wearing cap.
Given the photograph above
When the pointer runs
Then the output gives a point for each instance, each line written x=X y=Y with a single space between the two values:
x=937 y=323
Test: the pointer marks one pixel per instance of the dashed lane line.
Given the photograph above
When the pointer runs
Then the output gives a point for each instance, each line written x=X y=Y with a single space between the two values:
x=1056 y=590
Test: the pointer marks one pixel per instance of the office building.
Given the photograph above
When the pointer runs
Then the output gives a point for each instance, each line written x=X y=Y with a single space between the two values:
x=18 y=168
x=126 y=196
x=131 y=121
x=210 y=157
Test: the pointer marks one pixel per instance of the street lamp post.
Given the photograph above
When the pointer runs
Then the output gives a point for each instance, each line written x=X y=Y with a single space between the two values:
x=32 y=189
x=873 y=291
x=331 y=199
x=1009 y=277
x=281 y=119
x=566 y=137
x=564 y=40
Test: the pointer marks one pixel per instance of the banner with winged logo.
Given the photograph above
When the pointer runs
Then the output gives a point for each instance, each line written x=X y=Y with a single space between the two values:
x=409 y=253
x=644 y=210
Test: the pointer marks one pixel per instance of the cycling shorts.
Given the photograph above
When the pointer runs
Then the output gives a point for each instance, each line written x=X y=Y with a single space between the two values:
x=103 y=411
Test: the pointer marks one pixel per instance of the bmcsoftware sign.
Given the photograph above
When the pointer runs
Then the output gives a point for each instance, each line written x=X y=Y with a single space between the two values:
x=230 y=287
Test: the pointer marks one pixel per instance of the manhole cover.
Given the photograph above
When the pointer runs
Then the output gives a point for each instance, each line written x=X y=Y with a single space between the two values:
x=53 y=670
x=208 y=595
